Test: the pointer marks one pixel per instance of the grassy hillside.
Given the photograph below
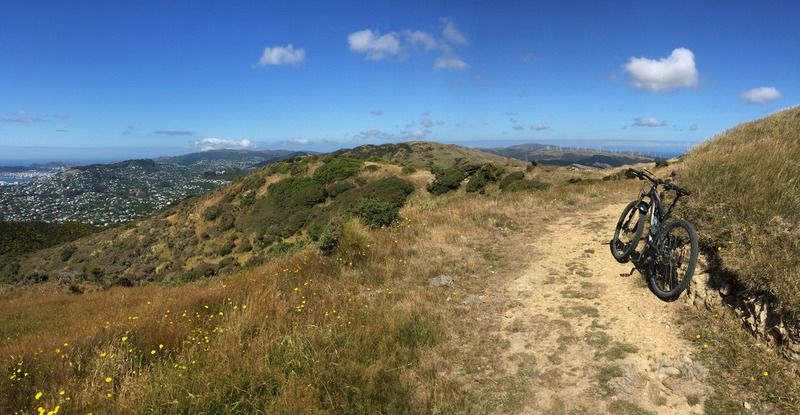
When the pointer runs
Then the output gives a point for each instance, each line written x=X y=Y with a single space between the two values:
x=277 y=209
x=426 y=155
x=345 y=325
x=17 y=238
x=747 y=203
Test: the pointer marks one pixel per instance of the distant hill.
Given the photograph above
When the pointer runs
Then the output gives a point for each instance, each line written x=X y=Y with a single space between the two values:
x=425 y=155
x=554 y=155
x=247 y=156
x=266 y=212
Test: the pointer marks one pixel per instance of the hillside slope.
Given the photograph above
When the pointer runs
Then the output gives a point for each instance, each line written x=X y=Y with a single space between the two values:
x=278 y=208
x=746 y=204
x=426 y=155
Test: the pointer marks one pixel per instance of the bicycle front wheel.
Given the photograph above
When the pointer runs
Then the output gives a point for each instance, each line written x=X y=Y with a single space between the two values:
x=674 y=260
x=627 y=232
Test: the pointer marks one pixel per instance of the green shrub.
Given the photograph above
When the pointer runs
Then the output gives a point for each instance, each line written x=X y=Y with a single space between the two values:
x=521 y=185
x=488 y=173
x=372 y=168
x=406 y=170
x=337 y=168
x=662 y=163
x=212 y=213
x=337 y=188
x=329 y=238
x=446 y=180
x=511 y=178
x=67 y=251
x=285 y=209
x=226 y=248
x=377 y=213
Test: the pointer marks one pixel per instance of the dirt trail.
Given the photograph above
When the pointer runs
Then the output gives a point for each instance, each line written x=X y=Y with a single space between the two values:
x=591 y=340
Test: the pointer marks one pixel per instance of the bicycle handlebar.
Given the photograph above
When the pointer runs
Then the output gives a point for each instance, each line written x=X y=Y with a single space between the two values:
x=644 y=174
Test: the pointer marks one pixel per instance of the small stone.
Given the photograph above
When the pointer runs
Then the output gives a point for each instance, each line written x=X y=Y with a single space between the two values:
x=671 y=371
x=747 y=405
x=441 y=281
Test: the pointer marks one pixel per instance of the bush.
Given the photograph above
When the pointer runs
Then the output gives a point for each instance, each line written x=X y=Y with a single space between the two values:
x=446 y=180
x=337 y=168
x=226 y=248
x=406 y=170
x=372 y=168
x=67 y=251
x=348 y=238
x=285 y=209
x=212 y=213
x=521 y=185
x=335 y=189
x=488 y=173
x=377 y=213
x=511 y=178
x=662 y=163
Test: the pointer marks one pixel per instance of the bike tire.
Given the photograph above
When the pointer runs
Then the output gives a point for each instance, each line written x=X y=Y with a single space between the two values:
x=622 y=251
x=664 y=277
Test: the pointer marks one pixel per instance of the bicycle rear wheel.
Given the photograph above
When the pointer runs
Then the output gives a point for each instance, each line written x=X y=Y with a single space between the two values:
x=627 y=232
x=674 y=260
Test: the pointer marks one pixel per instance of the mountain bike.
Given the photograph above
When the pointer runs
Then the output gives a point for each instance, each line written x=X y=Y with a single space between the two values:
x=670 y=250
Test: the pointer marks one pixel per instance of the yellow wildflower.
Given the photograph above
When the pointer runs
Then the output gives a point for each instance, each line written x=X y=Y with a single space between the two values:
x=108 y=379
x=38 y=395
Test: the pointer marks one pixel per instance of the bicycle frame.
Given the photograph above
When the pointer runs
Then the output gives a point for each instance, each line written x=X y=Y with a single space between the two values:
x=655 y=212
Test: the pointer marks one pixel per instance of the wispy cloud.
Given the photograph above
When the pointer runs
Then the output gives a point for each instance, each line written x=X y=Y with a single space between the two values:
x=173 y=132
x=674 y=71
x=376 y=112
x=540 y=126
x=282 y=55
x=373 y=44
x=648 y=122
x=22 y=117
x=221 y=143
x=418 y=37
x=761 y=95
x=451 y=33
x=399 y=44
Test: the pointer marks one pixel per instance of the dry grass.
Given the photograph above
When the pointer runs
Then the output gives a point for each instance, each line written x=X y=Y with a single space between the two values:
x=359 y=332
x=742 y=368
x=746 y=205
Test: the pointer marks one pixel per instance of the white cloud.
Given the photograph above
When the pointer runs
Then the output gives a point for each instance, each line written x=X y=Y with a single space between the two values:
x=761 y=95
x=450 y=62
x=675 y=71
x=282 y=55
x=399 y=44
x=440 y=122
x=373 y=44
x=540 y=126
x=221 y=143
x=423 y=38
x=451 y=32
x=648 y=122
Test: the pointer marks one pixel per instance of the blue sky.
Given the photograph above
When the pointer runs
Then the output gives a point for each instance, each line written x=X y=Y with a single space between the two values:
x=179 y=76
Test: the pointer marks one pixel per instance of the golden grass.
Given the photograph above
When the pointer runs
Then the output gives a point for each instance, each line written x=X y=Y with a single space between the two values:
x=746 y=205
x=357 y=332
